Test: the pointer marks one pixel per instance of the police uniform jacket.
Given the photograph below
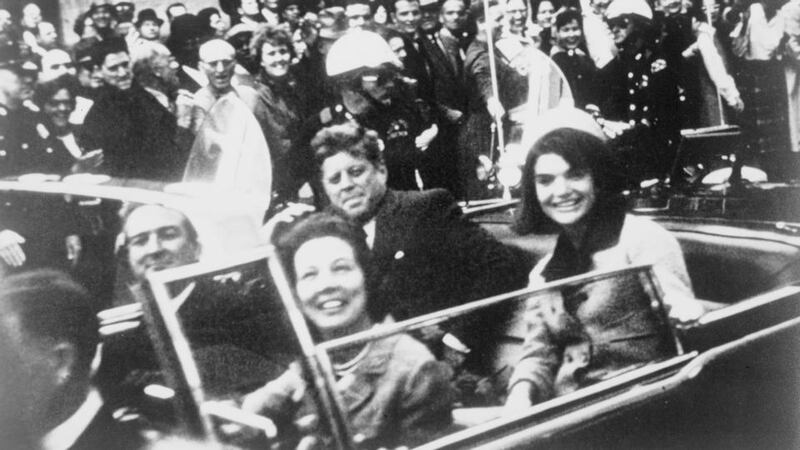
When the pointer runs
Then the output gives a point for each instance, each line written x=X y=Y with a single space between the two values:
x=27 y=146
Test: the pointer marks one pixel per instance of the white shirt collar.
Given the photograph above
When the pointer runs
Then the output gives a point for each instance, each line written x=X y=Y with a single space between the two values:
x=67 y=433
x=369 y=229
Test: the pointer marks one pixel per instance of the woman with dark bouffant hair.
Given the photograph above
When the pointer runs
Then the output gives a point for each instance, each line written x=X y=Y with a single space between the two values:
x=571 y=186
x=394 y=391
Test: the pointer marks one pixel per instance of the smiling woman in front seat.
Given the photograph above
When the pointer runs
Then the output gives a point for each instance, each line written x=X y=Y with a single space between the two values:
x=393 y=390
x=570 y=186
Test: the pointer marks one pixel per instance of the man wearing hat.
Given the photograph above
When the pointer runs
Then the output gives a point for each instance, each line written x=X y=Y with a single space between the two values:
x=148 y=24
x=105 y=17
x=22 y=133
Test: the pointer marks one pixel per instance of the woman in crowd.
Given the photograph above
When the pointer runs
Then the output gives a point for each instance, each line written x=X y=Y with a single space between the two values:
x=570 y=186
x=568 y=54
x=394 y=391
x=279 y=108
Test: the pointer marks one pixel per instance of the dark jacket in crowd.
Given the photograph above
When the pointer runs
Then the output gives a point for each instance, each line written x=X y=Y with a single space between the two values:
x=26 y=146
x=139 y=137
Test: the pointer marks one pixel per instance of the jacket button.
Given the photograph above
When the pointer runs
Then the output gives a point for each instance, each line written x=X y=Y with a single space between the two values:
x=399 y=255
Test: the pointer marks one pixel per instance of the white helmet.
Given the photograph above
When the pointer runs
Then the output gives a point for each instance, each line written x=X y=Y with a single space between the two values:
x=621 y=7
x=359 y=49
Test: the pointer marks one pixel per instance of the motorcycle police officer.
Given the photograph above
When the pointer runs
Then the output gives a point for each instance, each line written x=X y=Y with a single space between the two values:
x=366 y=73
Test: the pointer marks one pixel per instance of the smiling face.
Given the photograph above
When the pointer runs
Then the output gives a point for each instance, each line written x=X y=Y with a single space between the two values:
x=566 y=195
x=354 y=186
x=158 y=238
x=116 y=70
x=330 y=285
x=407 y=16
x=275 y=60
x=218 y=61
x=58 y=109
x=569 y=36
x=454 y=15
x=517 y=13
x=544 y=15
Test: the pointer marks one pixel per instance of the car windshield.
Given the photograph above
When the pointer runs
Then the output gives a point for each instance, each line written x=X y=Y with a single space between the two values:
x=226 y=328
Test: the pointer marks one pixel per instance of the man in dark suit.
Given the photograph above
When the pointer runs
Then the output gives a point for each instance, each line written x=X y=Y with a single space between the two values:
x=426 y=256
x=50 y=324
x=140 y=137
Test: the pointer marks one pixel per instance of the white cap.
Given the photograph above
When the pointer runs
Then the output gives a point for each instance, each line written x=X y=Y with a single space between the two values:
x=621 y=7
x=359 y=49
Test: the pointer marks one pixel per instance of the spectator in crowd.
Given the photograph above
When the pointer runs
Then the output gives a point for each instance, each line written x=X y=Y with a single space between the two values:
x=759 y=74
x=270 y=10
x=426 y=257
x=568 y=54
x=149 y=25
x=139 y=136
x=406 y=19
x=544 y=12
x=56 y=99
x=84 y=27
x=218 y=62
x=186 y=31
x=250 y=13
x=359 y=14
x=55 y=63
x=174 y=10
x=291 y=12
x=156 y=70
x=398 y=393
x=429 y=16
x=217 y=26
x=46 y=36
x=572 y=185
x=442 y=48
x=104 y=17
x=52 y=326
x=125 y=11
x=279 y=110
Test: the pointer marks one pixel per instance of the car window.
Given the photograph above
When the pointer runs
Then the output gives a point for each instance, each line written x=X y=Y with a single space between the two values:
x=583 y=331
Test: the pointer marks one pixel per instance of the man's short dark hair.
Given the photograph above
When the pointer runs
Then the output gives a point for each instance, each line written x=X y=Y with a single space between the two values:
x=566 y=16
x=107 y=47
x=52 y=306
x=349 y=138
x=191 y=231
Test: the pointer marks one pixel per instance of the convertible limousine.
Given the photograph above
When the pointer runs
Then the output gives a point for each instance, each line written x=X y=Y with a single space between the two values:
x=732 y=380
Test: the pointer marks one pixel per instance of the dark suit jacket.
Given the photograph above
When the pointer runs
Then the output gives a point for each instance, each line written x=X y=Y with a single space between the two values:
x=140 y=138
x=104 y=432
x=428 y=257
x=449 y=88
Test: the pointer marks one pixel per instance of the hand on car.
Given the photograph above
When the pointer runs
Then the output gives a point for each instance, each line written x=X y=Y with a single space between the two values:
x=10 y=248
x=519 y=398
x=88 y=161
x=686 y=312
x=279 y=394
x=285 y=216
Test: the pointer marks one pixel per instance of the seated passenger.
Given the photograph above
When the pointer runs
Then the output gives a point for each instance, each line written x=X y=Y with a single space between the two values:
x=394 y=391
x=232 y=334
x=570 y=185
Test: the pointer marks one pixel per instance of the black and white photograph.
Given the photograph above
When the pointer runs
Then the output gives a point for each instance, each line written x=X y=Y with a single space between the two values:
x=399 y=224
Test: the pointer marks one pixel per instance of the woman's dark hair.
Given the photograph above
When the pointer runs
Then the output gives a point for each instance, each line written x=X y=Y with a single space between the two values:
x=349 y=138
x=270 y=34
x=205 y=20
x=582 y=151
x=47 y=89
x=323 y=224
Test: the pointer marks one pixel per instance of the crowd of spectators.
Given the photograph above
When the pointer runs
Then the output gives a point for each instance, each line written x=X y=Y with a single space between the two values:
x=136 y=86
